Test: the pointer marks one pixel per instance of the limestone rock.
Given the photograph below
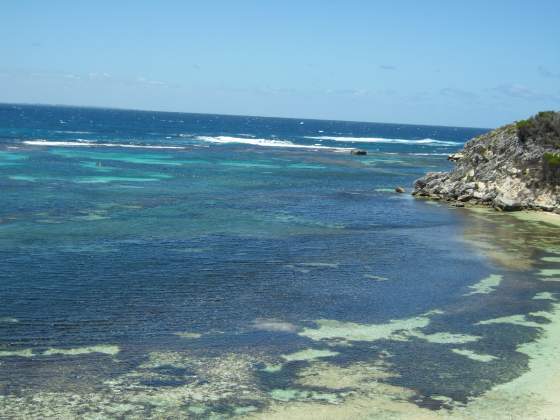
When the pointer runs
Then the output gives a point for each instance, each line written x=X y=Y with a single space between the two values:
x=506 y=202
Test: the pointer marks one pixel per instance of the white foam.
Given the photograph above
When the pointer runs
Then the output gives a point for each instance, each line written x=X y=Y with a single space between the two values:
x=429 y=142
x=267 y=143
x=72 y=132
x=87 y=143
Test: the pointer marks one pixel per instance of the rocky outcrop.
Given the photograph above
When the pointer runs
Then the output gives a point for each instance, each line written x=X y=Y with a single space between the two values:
x=511 y=168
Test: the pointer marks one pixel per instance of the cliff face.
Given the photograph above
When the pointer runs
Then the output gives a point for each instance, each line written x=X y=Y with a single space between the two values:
x=511 y=168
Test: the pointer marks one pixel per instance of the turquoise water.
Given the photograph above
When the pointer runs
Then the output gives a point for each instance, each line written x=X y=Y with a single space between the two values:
x=199 y=265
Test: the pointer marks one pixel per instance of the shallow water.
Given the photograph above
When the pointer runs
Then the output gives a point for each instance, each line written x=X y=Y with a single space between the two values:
x=220 y=279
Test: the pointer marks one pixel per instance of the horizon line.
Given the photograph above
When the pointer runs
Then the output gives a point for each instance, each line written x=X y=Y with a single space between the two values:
x=116 y=108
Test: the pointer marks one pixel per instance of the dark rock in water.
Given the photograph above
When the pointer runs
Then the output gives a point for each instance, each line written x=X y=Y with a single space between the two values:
x=359 y=152
x=511 y=168
x=400 y=190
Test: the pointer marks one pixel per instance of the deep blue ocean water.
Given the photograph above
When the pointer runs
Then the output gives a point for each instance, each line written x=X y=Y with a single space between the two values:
x=209 y=235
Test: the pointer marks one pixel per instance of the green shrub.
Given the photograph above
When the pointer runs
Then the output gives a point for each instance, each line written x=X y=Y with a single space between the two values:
x=543 y=128
x=551 y=167
x=545 y=115
x=553 y=159
x=522 y=124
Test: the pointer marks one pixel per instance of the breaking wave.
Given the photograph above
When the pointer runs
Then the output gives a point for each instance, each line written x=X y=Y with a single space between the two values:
x=86 y=143
x=267 y=143
x=380 y=140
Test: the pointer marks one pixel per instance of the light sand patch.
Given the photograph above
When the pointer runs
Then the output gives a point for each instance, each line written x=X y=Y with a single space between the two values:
x=550 y=279
x=538 y=217
x=103 y=349
x=475 y=356
x=481 y=210
x=533 y=395
x=542 y=314
x=510 y=260
x=509 y=245
x=551 y=259
x=355 y=376
x=309 y=354
x=518 y=260
x=486 y=285
x=444 y=337
x=291 y=394
x=357 y=391
x=549 y=272
x=245 y=410
x=434 y=312
x=332 y=329
x=17 y=353
x=272 y=368
x=544 y=296
x=197 y=409
x=513 y=319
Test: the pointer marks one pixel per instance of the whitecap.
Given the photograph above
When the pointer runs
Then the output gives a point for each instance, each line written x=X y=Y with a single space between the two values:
x=87 y=143
x=427 y=141
x=72 y=132
x=266 y=143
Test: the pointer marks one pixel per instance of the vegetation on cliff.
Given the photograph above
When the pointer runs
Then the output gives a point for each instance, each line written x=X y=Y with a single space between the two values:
x=543 y=128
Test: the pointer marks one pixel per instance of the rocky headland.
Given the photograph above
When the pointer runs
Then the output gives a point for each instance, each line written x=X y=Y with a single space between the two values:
x=515 y=167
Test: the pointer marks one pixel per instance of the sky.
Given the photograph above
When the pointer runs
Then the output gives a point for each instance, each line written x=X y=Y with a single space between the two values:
x=458 y=63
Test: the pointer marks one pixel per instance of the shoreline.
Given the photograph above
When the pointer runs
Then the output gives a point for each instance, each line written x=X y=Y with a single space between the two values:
x=458 y=204
x=533 y=394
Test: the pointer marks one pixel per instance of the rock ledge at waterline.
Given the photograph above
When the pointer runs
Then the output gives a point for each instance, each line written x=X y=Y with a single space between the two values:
x=515 y=167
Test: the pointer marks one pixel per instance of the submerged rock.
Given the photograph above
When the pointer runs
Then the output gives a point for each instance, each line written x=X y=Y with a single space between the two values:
x=514 y=167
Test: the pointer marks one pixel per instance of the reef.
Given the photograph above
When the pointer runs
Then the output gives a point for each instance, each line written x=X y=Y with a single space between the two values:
x=515 y=167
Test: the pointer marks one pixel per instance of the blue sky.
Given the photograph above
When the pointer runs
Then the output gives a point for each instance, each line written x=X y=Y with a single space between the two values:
x=475 y=63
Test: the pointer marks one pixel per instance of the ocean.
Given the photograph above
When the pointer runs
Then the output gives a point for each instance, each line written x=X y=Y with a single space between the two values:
x=176 y=265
